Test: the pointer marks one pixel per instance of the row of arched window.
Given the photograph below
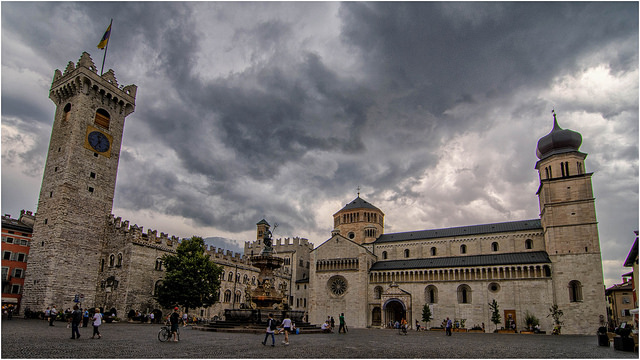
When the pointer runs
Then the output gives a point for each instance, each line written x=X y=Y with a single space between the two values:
x=564 y=169
x=464 y=293
x=528 y=245
x=352 y=217
x=487 y=273
x=112 y=261
x=245 y=278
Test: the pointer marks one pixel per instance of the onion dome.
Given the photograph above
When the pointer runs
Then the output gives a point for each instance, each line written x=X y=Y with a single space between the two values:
x=558 y=141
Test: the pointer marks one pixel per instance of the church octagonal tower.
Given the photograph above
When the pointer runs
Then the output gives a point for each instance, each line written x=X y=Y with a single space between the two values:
x=78 y=185
x=359 y=221
x=568 y=218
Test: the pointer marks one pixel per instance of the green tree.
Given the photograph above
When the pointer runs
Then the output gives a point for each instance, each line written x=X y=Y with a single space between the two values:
x=556 y=314
x=495 y=313
x=191 y=279
x=426 y=313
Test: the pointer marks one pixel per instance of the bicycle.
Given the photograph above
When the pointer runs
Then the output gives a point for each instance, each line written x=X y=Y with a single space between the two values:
x=165 y=333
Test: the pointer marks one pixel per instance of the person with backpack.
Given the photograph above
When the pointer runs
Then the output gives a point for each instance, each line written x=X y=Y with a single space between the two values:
x=76 y=319
x=271 y=327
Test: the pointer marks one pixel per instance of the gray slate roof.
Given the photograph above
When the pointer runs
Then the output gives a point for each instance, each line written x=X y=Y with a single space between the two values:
x=462 y=231
x=359 y=203
x=531 y=257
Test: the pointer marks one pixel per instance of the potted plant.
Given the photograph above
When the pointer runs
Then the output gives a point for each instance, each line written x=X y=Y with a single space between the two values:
x=531 y=321
x=556 y=314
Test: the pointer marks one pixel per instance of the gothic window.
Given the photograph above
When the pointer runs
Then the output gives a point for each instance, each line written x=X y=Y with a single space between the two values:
x=67 y=110
x=112 y=260
x=119 y=263
x=377 y=292
x=464 y=294
x=245 y=279
x=337 y=285
x=158 y=264
x=230 y=278
x=575 y=291
x=384 y=255
x=222 y=275
x=433 y=251
x=101 y=264
x=253 y=280
x=237 y=277
x=528 y=244
x=102 y=118
x=494 y=246
x=406 y=253
x=237 y=298
x=227 y=296
x=463 y=249
x=287 y=261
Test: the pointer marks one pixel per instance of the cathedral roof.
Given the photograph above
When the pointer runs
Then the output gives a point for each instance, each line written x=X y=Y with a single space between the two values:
x=531 y=257
x=462 y=231
x=558 y=141
x=359 y=203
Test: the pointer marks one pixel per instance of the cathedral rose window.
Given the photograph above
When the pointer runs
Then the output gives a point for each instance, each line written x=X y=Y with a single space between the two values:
x=338 y=285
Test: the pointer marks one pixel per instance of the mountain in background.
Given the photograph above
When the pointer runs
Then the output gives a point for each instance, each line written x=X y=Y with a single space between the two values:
x=224 y=243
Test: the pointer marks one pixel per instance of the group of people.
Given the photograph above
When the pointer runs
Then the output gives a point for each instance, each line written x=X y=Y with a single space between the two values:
x=272 y=326
x=330 y=324
x=76 y=319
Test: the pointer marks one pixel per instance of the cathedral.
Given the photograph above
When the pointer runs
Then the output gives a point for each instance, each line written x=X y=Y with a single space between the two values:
x=375 y=278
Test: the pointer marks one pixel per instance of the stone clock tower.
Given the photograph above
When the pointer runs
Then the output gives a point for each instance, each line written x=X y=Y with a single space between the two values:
x=76 y=196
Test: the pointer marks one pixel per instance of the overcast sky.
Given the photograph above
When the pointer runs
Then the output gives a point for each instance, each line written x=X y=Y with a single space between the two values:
x=280 y=111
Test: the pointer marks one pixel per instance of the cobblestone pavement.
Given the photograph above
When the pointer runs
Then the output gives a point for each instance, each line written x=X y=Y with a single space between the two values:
x=35 y=339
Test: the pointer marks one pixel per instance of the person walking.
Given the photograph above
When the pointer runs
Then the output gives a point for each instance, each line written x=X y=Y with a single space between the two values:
x=52 y=315
x=85 y=317
x=342 y=327
x=47 y=313
x=175 y=323
x=97 y=321
x=271 y=326
x=76 y=319
x=286 y=326
x=448 y=327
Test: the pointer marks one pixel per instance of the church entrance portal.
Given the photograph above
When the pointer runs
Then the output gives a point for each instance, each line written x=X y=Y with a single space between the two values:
x=394 y=310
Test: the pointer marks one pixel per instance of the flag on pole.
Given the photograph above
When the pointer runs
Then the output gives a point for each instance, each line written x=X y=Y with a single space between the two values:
x=105 y=38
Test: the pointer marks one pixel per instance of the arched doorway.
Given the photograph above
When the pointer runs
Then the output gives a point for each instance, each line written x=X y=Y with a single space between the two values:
x=394 y=310
x=376 y=316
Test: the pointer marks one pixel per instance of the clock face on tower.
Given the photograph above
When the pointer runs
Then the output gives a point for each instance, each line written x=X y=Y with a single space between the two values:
x=98 y=141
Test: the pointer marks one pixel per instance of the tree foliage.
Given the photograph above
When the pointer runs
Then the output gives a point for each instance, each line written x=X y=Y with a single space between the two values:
x=191 y=279
x=556 y=314
x=426 y=313
x=495 y=313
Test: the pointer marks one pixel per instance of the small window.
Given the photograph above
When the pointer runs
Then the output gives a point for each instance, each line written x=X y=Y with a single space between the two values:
x=227 y=296
x=431 y=294
x=463 y=249
x=15 y=289
x=230 y=278
x=112 y=260
x=406 y=253
x=90 y=189
x=464 y=294
x=102 y=118
x=377 y=292
x=494 y=246
x=92 y=175
x=22 y=257
x=158 y=264
x=6 y=255
x=433 y=251
x=575 y=291
x=9 y=240
x=67 y=110
x=528 y=244
x=17 y=273
x=384 y=255
x=119 y=260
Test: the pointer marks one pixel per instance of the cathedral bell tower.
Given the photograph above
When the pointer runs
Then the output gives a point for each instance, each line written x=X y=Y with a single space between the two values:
x=568 y=217
x=359 y=221
x=78 y=185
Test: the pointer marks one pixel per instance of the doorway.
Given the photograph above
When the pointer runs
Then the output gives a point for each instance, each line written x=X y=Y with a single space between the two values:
x=510 y=320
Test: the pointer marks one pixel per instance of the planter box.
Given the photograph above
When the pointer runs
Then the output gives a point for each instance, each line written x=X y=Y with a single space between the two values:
x=507 y=332
x=459 y=330
x=475 y=331
x=436 y=329
x=526 y=332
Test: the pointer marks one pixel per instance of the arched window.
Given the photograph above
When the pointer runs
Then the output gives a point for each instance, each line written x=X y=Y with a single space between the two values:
x=377 y=292
x=406 y=253
x=237 y=277
x=112 y=260
x=158 y=264
x=384 y=255
x=227 y=296
x=575 y=291
x=528 y=244
x=245 y=279
x=230 y=278
x=102 y=118
x=433 y=251
x=237 y=298
x=119 y=263
x=464 y=294
x=494 y=246
x=67 y=110
x=156 y=287
x=431 y=294
x=222 y=275
x=463 y=249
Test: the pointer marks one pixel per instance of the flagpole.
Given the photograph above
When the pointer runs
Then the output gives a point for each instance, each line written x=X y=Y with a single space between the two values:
x=106 y=48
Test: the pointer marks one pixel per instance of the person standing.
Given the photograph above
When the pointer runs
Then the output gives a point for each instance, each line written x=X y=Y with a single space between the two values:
x=342 y=327
x=52 y=315
x=152 y=317
x=271 y=326
x=76 y=319
x=175 y=323
x=417 y=325
x=185 y=319
x=286 y=326
x=47 y=313
x=85 y=317
x=97 y=321
x=448 y=327
x=333 y=324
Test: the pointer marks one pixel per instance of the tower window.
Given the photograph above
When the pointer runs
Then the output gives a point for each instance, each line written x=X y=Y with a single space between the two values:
x=406 y=253
x=463 y=249
x=528 y=244
x=384 y=255
x=494 y=246
x=575 y=291
x=67 y=110
x=90 y=189
x=102 y=118
x=433 y=251
x=51 y=194
x=92 y=175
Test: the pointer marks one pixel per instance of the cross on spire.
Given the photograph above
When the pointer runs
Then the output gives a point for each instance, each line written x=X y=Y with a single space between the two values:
x=358 y=190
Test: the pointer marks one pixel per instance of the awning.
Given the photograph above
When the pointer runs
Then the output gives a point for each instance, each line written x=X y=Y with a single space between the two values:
x=10 y=300
x=633 y=311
